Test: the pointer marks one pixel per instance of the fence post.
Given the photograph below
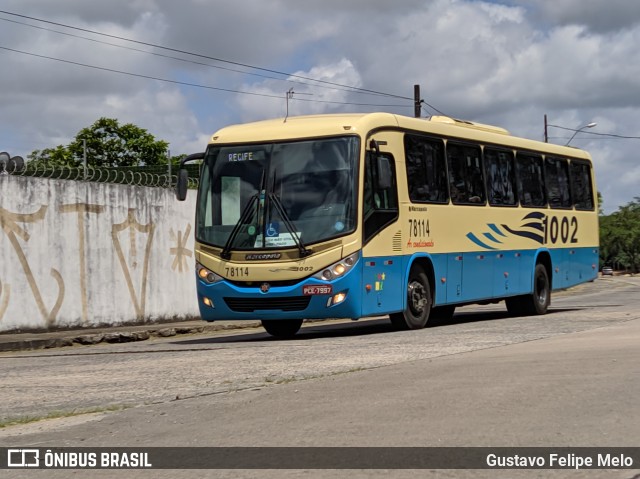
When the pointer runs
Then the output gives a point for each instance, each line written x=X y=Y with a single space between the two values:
x=84 y=158
x=169 y=163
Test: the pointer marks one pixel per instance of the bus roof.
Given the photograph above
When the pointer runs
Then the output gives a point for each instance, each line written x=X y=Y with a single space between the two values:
x=315 y=126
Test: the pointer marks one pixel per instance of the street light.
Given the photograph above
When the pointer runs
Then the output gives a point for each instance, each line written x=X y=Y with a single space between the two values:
x=575 y=132
x=589 y=125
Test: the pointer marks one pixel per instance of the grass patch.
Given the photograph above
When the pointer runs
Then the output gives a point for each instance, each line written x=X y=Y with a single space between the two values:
x=59 y=414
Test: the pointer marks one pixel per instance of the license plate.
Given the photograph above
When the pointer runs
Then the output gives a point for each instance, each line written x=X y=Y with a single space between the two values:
x=311 y=290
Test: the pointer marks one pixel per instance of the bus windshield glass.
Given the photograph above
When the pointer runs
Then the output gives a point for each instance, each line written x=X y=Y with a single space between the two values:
x=278 y=195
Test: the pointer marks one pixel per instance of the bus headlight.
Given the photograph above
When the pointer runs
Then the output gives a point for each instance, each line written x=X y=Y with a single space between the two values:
x=336 y=299
x=208 y=302
x=338 y=269
x=206 y=274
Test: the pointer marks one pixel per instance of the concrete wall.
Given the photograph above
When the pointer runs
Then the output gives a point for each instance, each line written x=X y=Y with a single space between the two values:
x=78 y=253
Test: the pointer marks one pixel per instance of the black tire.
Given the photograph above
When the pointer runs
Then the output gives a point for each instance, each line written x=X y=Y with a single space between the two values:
x=282 y=328
x=416 y=314
x=536 y=303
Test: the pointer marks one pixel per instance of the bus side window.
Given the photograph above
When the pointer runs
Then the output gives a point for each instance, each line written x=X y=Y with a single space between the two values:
x=466 y=181
x=500 y=174
x=380 y=207
x=581 y=185
x=530 y=180
x=426 y=170
x=556 y=174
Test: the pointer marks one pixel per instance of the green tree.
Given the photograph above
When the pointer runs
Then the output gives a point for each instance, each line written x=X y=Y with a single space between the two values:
x=52 y=158
x=620 y=237
x=600 y=203
x=108 y=144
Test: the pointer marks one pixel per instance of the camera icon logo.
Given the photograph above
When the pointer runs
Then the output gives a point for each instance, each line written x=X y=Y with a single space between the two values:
x=23 y=458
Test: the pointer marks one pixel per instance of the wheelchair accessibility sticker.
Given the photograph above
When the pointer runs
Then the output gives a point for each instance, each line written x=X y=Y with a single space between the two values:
x=275 y=239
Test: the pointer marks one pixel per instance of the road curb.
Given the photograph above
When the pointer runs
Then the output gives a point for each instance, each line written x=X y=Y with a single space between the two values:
x=60 y=339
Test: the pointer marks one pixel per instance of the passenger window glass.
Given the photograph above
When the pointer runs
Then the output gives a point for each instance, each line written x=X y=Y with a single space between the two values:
x=500 y=174
x=581 y=185
x=380 y=205
x=426 y=170
x=466 y=182
x=556 y=174
x=530 y=180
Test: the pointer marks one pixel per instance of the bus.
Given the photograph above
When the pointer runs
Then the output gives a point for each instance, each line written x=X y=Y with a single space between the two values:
x=361 y=215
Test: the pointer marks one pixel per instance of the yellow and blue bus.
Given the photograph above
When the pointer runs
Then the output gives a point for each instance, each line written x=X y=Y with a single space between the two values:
x=358 y=215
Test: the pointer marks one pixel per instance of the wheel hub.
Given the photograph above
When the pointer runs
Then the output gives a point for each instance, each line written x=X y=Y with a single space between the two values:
x=417 y=297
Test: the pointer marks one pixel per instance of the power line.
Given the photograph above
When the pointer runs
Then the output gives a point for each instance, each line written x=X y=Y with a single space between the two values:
x=175 y=50
x=185 y=60
x=612 y=135
x=176 y=82
x=422 y=103
x=139 y=75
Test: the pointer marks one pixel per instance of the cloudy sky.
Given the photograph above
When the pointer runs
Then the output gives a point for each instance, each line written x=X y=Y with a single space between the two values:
x=506 y=62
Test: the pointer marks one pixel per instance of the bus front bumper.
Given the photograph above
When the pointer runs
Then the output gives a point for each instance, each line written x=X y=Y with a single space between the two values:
x=308 y=299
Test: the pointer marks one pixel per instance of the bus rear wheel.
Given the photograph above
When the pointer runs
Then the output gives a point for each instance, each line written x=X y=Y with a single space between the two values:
x=282 y=328
x=536 y=303
x=416 y=313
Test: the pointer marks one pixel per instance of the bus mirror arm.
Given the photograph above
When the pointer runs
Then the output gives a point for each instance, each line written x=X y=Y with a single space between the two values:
x=182 y=182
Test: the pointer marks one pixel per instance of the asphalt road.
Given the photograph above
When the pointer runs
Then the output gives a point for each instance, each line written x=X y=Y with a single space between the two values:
x=570 y=378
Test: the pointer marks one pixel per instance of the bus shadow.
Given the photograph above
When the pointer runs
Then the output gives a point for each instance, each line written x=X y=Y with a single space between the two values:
x=315 y=330
x=364 y=327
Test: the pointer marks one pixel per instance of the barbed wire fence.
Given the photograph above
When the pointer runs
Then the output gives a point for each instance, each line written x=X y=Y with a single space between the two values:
x=151 y=176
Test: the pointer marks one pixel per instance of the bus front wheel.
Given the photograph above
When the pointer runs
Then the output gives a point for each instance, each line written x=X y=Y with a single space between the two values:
x=536 y=303
x=416 y=313
x=282 y=328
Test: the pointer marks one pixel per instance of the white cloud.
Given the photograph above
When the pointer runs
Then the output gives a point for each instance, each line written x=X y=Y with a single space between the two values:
x=305 y=99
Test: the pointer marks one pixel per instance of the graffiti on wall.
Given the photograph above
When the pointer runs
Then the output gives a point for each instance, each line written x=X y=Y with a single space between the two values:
x=132 y=225
x=125 y=236
x=13 y=230
x=180 y=252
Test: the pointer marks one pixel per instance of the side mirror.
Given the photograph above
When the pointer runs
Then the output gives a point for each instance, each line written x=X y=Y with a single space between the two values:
x=182 y=184
x=383 y=167
x=183 y=176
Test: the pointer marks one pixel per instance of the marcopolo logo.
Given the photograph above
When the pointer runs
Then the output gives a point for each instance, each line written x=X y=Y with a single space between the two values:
x=23 y=458
x=262 y=256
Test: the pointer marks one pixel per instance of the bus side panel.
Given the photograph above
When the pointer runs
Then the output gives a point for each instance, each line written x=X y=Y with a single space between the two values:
x=576 y=266
x=443 y=276
x=454 y=277
x=477 y=274
x=383 y=289
x=560 y=271
x=506 y=273
x=528 y=259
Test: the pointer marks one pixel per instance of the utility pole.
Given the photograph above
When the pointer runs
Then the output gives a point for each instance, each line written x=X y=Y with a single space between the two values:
x=546 y=135
x=416 y=101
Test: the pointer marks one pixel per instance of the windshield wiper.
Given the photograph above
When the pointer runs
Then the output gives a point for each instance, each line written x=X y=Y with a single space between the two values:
x=247 y=212
x=302 y=249
x=304 y=252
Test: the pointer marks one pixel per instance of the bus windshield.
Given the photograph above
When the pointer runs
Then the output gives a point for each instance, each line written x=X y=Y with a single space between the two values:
x=278 y=195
